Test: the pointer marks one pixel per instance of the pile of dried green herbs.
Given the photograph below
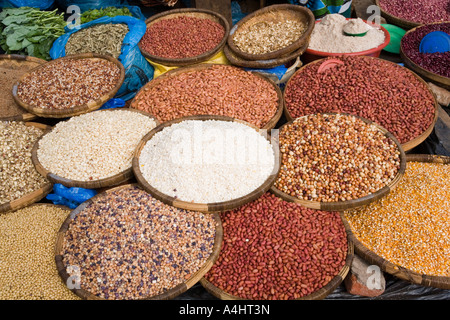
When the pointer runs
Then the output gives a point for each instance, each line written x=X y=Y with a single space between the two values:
x=102 y=39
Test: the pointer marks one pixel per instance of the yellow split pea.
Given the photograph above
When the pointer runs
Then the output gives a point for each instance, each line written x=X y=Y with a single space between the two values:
x=411 y=226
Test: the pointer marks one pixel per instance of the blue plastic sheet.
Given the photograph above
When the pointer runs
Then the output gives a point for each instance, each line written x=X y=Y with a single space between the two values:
x=41 y=4
x=138 y=71
x=113 y=104
x=236 y=13
x=278 y=71
x=70 y=197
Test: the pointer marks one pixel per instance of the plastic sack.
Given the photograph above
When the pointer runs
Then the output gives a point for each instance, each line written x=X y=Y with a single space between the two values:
x=138 y=71
x=113 y=104
x=41 y=4
x=280 y=74
x=70 y=197
x=236 y=13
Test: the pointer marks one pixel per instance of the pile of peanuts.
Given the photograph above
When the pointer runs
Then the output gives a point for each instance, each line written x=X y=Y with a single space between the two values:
x=375 y=89
x=182 y=37
x=335 y=157
x=128 y=245
x=68 y=83
x=278 y=250
x=217 y=90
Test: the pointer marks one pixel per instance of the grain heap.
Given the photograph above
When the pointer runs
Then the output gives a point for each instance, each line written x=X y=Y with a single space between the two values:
x=182 y=37
x=207 y=161
x=217 y=90
x=128 y=245
x=278 y=250
x=102 y=39
x=18 y=176
x=266 y=37
x=328 y=35
x=67 y=83
x=27 y=254
x=410 y=227
x=333 y=157
x=76 y=149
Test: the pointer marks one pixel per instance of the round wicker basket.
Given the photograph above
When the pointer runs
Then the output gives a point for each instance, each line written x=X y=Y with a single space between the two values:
x=187 y=12
x=274 y=13
x=393 y=269
x=114 y=180
x=202 y=207
x=77 y=110
x=355 y=203
x=168 y=295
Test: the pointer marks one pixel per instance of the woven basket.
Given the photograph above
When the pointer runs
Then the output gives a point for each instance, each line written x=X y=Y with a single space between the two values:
x=168 y=295
x=15 y=59
x=188 y=12
x=402 y=23
x=320 y=294
x=388 y=267
x=78 y=110
x=34 y=196
x=427 y=75
x=355 y=203
x=95 y=184
x=274 y=13
x=202 y=207
x=174 y=73
x=262 y=64
x=407 y=146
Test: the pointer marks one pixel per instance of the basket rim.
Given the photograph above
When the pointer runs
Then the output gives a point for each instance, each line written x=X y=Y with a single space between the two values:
x=21 y=58
x=354 y=203
x=407 y=146
x=263 y=64
x=94 y=184
x=304 y=38
x=179 y=62
x=204 y=207
x=170 y=294
x=34 y=196
x=397 y=20
x=387 y=39
x=199 y=67
x=80 y=109
x=316 y=295
x=441 y=282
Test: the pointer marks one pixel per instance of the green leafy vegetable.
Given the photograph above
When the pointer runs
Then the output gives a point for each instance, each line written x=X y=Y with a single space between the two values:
x=30 y=31
x=94 y=14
